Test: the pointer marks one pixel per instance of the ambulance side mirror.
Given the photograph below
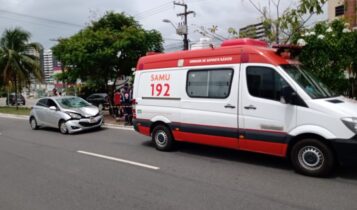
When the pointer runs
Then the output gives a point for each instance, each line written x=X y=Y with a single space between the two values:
x=288 y=95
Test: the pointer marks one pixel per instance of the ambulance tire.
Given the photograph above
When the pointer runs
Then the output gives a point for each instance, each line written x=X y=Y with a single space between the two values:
x=311 y=157
x=162 y=138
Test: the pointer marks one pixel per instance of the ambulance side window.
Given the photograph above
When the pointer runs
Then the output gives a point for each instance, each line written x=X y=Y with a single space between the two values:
x=264 y=82
x=212 y=83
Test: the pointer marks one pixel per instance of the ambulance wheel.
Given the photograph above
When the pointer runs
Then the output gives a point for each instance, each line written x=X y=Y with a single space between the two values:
x=162 y=138
x=312 y=158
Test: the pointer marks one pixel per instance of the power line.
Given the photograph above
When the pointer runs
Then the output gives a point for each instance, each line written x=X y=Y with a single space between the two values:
x=153 y=12
x=27 y=21
x=41 y=18
x=153 y=9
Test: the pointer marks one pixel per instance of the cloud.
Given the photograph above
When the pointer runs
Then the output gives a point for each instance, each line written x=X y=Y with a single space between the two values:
x=224 y=14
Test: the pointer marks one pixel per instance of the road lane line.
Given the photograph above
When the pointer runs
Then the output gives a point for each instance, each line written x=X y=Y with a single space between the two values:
x=119 y=160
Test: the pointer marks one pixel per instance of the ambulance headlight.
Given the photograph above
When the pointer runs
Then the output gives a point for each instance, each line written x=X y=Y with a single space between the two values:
x=351 y=123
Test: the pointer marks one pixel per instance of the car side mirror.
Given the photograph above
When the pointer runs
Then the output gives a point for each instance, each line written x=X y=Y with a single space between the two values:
x=288 y=95
x=53 y=108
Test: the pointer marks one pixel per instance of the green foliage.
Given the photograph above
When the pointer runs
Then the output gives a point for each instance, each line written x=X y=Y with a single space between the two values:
x=14 y=110
x=331 y=52
x=91 y=54
x=17 y=64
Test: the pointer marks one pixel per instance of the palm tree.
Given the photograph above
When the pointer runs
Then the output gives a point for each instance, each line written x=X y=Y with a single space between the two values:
x=17 y=63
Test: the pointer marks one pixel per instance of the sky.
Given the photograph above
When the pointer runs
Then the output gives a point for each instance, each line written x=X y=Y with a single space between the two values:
x=48 y=20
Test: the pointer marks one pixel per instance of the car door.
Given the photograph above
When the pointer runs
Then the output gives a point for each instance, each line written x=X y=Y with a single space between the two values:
x=209 y=109
x=265 y=117
x=52 y=116
x=40 y=111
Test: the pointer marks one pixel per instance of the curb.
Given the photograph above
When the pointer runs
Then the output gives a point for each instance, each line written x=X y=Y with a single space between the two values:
x=14 y=116
x=114 y=126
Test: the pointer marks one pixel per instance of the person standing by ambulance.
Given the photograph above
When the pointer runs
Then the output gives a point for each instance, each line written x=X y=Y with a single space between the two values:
x=117 y=103
x=126 y=103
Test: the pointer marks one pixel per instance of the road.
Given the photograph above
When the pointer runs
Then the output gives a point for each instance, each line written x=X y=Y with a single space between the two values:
x=120 y=169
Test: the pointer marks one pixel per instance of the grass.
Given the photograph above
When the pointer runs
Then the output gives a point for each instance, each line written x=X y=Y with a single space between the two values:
x=12 y=110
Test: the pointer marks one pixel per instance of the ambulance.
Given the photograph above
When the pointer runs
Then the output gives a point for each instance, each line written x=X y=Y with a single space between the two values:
x=246 y=96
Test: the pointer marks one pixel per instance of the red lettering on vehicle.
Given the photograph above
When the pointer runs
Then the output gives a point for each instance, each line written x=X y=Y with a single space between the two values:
x=160 y=90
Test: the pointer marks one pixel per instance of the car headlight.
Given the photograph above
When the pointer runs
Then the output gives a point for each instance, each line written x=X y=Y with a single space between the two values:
x=351 y=123
x=74 y=115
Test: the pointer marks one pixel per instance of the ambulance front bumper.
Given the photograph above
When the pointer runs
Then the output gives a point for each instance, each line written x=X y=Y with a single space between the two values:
x=346 y=151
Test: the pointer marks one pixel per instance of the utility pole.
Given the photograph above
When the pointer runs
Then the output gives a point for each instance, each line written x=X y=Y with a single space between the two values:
x=183 y=29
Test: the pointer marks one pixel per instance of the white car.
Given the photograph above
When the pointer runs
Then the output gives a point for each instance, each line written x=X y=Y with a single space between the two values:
x=69 y=114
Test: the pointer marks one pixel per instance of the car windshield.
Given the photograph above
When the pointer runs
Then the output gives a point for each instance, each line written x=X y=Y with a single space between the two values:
x=310 y=84
x=72 y=102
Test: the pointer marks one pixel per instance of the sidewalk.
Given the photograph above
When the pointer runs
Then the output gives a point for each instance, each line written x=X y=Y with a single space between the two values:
x=110 y=120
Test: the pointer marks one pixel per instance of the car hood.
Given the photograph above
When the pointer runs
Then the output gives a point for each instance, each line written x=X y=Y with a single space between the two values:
x=88 y=111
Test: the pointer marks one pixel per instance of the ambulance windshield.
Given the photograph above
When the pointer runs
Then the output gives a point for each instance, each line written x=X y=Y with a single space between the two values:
x=312 y=86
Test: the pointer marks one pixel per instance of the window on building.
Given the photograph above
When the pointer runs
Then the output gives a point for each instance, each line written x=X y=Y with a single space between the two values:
x=213 y=83
x=264 y=82
x=339 y=10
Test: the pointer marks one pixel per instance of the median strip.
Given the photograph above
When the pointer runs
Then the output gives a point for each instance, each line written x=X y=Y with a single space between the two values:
x=119 y=160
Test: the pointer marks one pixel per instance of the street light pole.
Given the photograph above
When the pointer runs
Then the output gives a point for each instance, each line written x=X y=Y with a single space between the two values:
x=169 y=21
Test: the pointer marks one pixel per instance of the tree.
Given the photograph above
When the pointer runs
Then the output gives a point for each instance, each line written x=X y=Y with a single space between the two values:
x=284 y=25
x=330 y=52
x=106 y=49
x=17 y=63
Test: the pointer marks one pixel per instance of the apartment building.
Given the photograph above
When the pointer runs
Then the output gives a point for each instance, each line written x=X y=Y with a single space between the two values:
x=343 y=9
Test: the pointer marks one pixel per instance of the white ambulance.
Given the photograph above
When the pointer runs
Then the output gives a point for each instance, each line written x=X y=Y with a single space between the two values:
x=244 y=96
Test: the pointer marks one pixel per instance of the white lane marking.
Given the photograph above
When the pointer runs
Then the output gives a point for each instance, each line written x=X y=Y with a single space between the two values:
x=119 y=160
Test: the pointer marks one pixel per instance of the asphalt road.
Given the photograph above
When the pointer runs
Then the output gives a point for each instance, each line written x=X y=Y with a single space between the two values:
x=119 y=169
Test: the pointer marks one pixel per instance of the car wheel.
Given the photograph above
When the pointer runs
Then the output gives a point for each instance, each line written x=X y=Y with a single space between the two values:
x=311 y=157
x=63 y=127
x=162 y=138
x=33 y=123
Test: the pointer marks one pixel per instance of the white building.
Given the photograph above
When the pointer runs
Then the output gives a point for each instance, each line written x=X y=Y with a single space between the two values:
x=47 y=66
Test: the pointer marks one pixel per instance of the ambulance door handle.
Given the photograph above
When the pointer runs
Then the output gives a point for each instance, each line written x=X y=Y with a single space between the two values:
x=250 y=107
x=229 y=106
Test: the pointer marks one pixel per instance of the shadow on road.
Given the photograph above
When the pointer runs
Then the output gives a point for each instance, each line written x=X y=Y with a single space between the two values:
x=346 y=173
x=218 y=153
x=55 y=130
x=249 y=158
